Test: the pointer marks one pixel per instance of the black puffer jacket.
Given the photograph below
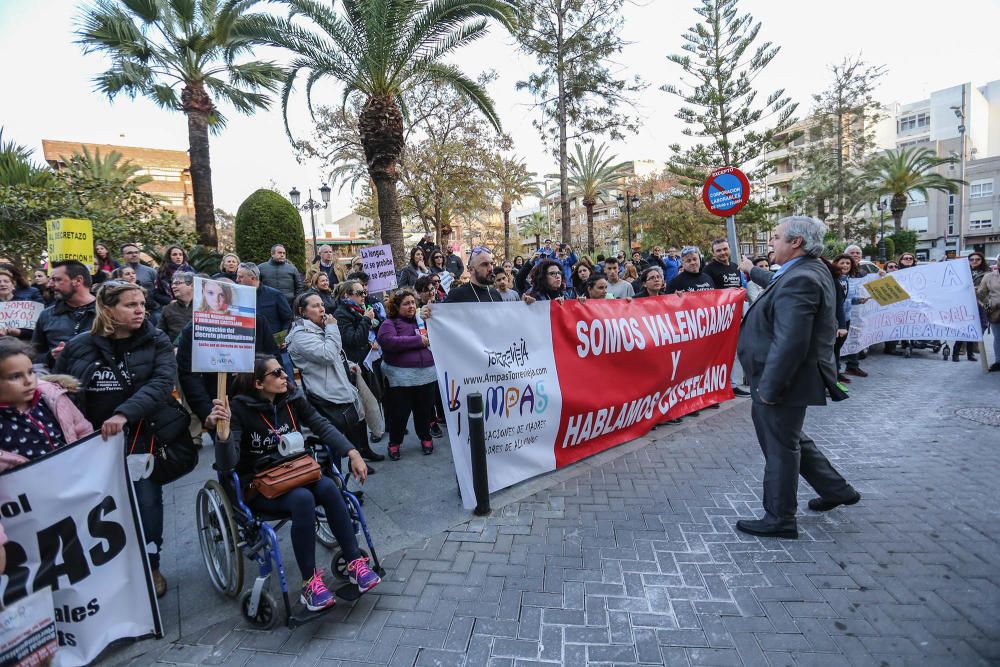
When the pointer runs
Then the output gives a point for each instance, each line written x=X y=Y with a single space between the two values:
x=354 y=328
x=152 y=372
x=252 y=439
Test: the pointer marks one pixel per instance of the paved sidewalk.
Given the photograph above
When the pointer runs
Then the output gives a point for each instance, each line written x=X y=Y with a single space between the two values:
x=631 y=557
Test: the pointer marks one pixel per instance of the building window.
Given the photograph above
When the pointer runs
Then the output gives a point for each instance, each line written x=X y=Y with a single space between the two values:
x=980 y=189
x=979 y=220
x=951 y=214
x=913 y=121
x=916 y=198
x=917 y=224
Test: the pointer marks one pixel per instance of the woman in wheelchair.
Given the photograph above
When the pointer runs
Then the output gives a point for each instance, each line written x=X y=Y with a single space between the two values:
x=261 y=410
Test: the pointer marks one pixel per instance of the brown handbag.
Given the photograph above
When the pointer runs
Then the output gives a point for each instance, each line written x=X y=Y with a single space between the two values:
x=282 y=478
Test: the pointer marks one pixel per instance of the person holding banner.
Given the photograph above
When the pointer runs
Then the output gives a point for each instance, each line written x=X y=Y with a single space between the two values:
x=263 y=413
x=546 y=280
x=127 y=370
x=786 y=346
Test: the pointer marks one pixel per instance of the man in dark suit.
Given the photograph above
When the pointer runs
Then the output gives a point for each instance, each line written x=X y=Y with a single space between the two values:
x=786 y=347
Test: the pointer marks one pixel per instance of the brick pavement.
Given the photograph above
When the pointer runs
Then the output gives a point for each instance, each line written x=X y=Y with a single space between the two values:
x=631 y=557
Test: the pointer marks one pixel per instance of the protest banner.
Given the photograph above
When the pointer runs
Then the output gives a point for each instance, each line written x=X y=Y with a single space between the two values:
x=80 y=536
x=563 y=381
x=70 y=238
x=941 y=306
x=28 y=630
x=380 y=268
x=224 y=327
x=20 y=314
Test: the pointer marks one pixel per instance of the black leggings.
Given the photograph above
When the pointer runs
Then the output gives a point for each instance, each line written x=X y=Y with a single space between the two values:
x=401 y=401
x=300 y=504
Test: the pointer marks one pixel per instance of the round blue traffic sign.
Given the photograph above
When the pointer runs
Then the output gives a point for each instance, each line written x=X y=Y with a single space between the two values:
x=725 y=192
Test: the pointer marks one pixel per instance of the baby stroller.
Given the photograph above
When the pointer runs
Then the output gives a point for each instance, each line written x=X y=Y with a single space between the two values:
x=933 y=345
x=229 y=531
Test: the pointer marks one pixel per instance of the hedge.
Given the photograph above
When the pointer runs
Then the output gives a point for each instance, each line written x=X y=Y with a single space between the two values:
x=265 y=218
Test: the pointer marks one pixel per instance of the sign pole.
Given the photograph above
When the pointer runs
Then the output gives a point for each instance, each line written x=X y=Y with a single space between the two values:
x=735 y=255
x=222 y=427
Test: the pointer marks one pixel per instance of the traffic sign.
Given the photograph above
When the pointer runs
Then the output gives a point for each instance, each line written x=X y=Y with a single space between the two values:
x=725 y=192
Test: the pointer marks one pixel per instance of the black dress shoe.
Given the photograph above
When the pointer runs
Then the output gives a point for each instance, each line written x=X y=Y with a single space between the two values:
x=740 y=391
x=762 y=529
x=821 y=505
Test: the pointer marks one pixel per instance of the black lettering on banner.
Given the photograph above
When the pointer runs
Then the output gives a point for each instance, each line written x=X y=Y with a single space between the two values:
x=60 y=542
x=111 y=531
x=17 y=574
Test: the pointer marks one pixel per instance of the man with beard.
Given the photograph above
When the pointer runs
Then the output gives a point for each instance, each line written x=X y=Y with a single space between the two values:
x=725 y=275
x=72 y=313
x=479 y=289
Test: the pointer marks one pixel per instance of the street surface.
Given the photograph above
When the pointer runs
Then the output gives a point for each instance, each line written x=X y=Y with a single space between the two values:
x=631 y=556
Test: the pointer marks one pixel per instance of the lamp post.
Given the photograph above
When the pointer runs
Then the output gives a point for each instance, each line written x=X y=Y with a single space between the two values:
x=312 y=206
x=881 y=206
x=630 y=201
x=960 y=115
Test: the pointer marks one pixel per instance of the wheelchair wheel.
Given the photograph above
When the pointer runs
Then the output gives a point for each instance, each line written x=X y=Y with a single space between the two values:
x=218 y=537
x=323 y=533
x=338 y=565
x=267 y=610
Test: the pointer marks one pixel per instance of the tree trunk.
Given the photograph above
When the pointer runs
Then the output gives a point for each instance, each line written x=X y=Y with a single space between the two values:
x=566 y=230
x=589 y=204
x=197 y=105
x=841 y=227
x=505 y=209
x=381 y=128
x=898 y=206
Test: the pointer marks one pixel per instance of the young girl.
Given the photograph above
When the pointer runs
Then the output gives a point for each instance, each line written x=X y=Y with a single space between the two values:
x=36 y=416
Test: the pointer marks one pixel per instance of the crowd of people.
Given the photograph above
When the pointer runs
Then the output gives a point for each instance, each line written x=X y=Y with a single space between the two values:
x=111 y=352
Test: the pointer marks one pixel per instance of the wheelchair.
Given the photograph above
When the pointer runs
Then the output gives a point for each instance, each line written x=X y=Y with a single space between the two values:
x=229 y=532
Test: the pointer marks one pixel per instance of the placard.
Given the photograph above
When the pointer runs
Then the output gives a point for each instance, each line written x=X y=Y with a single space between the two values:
x=20 y=314
x=28 y=630
x=70 y=238
x=379 y=266
x=223 y=327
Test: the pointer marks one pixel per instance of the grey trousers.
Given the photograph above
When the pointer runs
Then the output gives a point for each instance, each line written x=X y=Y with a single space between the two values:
x=788 y=453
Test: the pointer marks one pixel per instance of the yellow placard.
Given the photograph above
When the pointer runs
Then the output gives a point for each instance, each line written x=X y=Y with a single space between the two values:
x=886 y=291
x=70 y=238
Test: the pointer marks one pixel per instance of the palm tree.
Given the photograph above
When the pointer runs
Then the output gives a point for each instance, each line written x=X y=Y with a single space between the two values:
x=512 y=182
x=17 y=168
x=591 y=177
x=108 y=168
x=379 y=49
x=534 y=225
x=180 y=54
x=899 y=172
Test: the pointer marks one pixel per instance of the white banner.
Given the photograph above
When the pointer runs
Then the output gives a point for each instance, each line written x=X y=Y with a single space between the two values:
x=942 y=306
x=73 y=525
x=20 y=314
x=224 y=327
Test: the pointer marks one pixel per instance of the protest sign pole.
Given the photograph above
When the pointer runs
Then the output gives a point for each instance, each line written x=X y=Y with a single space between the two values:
x=734 y=245
x=222 y=426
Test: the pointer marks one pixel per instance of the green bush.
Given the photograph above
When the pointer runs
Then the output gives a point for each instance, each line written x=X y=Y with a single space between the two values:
x=265 y=218
x=902 y=241
x=890 y=248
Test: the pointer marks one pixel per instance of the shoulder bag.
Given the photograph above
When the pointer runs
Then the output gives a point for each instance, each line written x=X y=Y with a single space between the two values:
x=289 y=473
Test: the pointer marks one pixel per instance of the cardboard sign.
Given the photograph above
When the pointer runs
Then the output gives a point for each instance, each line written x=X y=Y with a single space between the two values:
x=886 y=291
x=20 y=314
x=28 y=630
x=70 y=238
x=224 y=327
x=380 y=268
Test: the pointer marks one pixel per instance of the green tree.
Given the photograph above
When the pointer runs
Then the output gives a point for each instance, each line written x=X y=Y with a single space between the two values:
x=719 y=97
x=896 y=173
x=159 y=46
x=265 y=218
x=17 y=167
x=535 y=225
x=378 y=49
x=575 y=43
x=511 y=182
x=592 y=177
x=108 y=167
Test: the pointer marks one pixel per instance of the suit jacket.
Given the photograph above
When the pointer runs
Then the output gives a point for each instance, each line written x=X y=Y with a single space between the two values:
x=786 y=341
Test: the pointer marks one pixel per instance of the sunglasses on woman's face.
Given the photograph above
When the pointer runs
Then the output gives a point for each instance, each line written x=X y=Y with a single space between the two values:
x=362 y=293
x=890 y=266
x=277 y=372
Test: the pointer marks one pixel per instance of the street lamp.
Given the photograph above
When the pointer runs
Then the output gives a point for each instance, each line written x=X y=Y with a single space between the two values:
x=312 y=206
x=960 y=115
x=630 y=201
x=881 y=206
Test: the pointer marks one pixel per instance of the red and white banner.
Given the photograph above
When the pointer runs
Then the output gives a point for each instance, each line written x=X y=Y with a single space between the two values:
x=561 y=382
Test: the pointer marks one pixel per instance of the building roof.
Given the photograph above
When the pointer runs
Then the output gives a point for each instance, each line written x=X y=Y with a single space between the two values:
x=61 y=151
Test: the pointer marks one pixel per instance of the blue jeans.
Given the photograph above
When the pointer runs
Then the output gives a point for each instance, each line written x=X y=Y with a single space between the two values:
x=300 y=505
x=149 y=494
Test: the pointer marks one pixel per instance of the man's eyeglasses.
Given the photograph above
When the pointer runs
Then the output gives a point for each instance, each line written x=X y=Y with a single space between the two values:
x=277 y=372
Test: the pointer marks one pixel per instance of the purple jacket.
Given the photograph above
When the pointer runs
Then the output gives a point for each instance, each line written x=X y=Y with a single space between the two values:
x=401 y=345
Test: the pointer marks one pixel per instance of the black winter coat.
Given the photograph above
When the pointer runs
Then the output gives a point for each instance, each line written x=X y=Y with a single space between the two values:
x=252 y=440
x=354 y=328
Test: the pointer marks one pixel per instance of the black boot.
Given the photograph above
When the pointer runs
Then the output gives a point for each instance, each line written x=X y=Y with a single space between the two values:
x=955 y=350
x=970 y=351
x=369 y=455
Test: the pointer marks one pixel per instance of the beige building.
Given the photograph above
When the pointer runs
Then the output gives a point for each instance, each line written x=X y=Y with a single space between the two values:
x=169 y=170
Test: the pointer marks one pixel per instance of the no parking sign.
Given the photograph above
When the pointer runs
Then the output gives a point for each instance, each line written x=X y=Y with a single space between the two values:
x=725 y=192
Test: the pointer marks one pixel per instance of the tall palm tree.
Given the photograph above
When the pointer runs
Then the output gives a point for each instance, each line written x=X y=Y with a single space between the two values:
x=379 y=49
x=591 y=177
x=511 y=183
x=899 y=172
x=179 y=54
x=535 y=225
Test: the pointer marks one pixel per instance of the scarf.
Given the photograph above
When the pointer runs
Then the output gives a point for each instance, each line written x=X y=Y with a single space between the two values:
x=353 y=307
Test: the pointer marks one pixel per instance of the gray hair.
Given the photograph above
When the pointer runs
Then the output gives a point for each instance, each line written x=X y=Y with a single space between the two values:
x=852 y=247
x=810 y=230
x=187 y=277
x=250 y=268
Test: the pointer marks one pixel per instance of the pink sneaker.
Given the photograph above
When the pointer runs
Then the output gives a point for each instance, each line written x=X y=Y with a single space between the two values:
x=315 y=595
x=361 y=575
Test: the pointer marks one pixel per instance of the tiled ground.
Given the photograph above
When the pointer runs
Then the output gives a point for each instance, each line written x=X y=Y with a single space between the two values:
x=631 y=557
